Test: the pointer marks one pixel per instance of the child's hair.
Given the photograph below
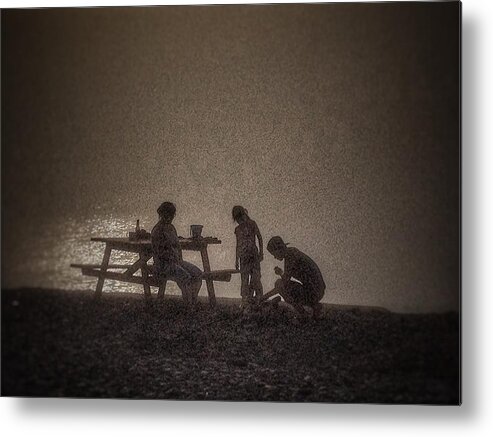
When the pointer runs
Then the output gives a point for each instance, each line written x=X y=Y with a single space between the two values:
x=238 y=212
x=276 y=244
x=167 y=210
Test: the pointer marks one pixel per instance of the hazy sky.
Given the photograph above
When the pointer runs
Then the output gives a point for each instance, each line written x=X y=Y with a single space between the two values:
x=336 y=126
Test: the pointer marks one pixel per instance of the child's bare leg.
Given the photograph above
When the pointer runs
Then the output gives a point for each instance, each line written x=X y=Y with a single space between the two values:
x=251 y=290
x=289 y=290
x=300 y=309
x=194 y=289
x=245 y=287
x=192 y=298
x=186 y=296
x=184 y=286
x=317 y=310
x=256 y=284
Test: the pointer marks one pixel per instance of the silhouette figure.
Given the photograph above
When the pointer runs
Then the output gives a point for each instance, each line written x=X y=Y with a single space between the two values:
x=168 y=259
x=308 y=286
x=248 y=256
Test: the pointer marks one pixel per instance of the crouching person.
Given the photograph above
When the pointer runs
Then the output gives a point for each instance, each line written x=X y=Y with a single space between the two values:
x=301 y=283
x=168 y=259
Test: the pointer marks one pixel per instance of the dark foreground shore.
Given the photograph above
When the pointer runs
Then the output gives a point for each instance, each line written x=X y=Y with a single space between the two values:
x=63 y=344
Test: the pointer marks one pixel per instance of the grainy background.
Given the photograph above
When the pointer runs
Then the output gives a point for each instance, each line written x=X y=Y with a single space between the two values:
x=337 y=126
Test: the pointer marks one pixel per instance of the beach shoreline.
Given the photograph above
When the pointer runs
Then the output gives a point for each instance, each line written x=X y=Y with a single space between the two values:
x=63 y=343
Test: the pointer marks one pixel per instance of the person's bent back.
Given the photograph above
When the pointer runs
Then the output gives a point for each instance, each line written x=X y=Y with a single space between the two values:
x=301 y=267
x=301 y=283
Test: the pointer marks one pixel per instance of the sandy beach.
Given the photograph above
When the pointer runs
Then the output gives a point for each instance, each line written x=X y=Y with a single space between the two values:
x=58 y=343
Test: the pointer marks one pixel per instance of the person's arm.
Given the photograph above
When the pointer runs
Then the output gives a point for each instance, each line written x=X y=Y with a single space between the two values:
x=175 y=244
x=284 y=276
x=288 y=269
x=260 y=242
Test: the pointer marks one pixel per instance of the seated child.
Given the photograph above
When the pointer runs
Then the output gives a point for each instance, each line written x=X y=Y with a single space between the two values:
x=168 y=260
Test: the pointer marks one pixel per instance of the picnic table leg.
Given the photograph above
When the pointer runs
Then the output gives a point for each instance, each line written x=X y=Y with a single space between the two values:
x=104 y=267
x=145 y=275
x=136 y=265
x=210 y=284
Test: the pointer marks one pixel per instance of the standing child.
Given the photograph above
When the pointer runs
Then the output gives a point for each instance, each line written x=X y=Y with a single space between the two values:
x=248 y=256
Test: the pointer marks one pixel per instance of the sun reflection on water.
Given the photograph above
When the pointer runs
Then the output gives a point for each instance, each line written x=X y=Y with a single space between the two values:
x=44 y=259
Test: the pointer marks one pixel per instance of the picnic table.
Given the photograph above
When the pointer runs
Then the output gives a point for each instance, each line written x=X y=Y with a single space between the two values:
x=143 y=249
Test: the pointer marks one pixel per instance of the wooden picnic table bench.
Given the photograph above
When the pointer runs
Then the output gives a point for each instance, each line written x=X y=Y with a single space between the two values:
x=147 y=279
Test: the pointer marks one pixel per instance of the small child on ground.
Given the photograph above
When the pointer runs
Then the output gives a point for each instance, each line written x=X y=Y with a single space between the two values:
x=248 y=256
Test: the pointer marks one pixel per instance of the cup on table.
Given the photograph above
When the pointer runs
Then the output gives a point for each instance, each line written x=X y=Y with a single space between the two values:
x=196 y=231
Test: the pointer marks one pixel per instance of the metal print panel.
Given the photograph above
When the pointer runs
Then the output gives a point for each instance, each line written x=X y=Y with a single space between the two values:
x=248 y=202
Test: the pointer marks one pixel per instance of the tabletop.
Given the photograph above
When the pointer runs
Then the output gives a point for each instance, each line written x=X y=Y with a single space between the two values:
x=136 y=245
